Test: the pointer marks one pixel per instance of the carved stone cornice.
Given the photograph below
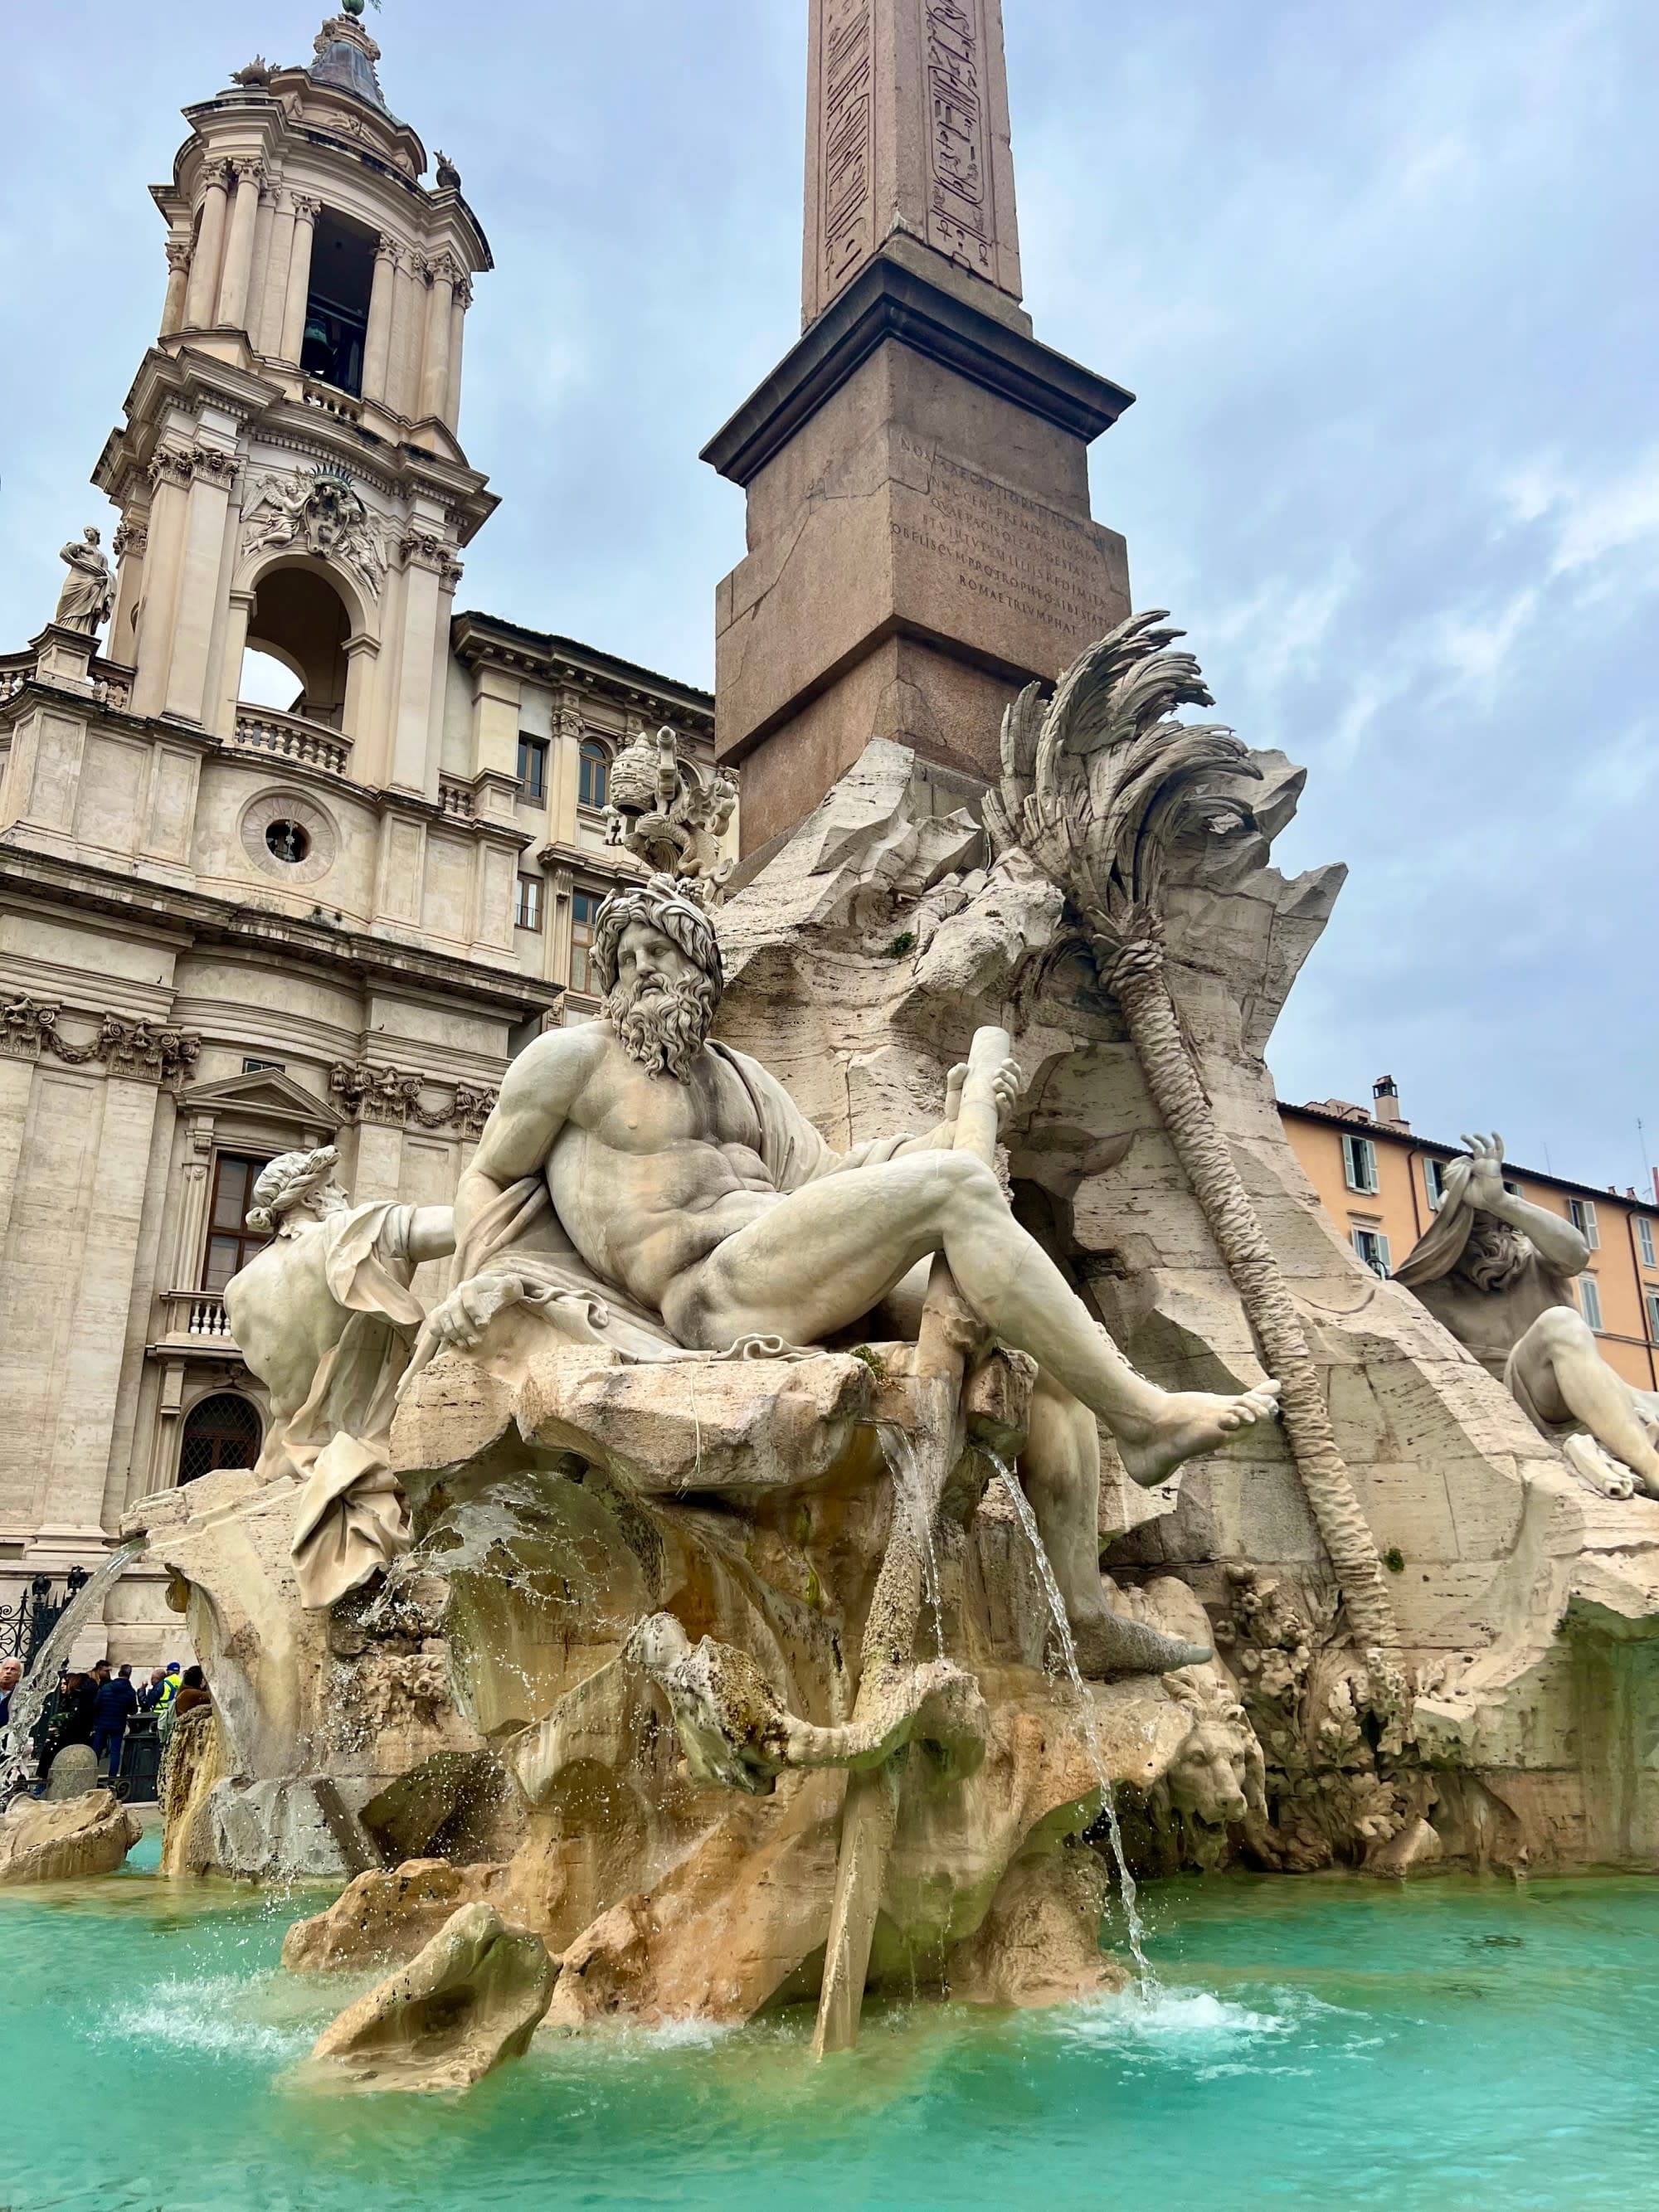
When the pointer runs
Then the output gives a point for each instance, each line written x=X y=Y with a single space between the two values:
x=137 y=1051
x=391 y=1096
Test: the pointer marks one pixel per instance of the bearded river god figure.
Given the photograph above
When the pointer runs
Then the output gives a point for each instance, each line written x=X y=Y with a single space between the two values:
x=1497 y=1273
x=639 y=1187
x=325 y=1318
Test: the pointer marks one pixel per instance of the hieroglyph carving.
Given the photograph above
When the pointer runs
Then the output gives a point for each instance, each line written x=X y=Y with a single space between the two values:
x=318 y=511
x=959 y=220
x=847 y=138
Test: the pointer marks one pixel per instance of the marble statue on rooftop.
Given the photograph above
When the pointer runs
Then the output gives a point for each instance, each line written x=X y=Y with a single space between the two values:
x=1497 y=1273
x=88 y=592
x=640 y=1187
x=324 y=1317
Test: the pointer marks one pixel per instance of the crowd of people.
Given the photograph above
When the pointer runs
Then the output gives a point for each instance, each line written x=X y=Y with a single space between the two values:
x=97 y=1706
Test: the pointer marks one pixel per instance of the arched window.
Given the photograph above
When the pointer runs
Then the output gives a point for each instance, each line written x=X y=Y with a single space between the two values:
x=594 y=788
x=298 y=623
x=222 y=1430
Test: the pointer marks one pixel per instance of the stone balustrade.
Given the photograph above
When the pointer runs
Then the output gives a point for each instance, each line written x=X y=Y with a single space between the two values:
x=197 y=1313
x=455 y=796
x=263 y=729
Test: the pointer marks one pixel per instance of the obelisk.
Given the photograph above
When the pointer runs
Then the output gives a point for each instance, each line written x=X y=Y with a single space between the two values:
x=920 y=538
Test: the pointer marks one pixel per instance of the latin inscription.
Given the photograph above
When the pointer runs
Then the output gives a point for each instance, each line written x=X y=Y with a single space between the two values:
x=1009 y=551
x=959 y=218
x=847 y=137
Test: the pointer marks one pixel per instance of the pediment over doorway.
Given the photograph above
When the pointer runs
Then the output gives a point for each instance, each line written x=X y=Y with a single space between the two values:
x=267 y=1094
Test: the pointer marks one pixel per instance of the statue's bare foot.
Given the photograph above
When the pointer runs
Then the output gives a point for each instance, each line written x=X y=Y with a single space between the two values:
x=1186 y=1423
x=1108 y=1645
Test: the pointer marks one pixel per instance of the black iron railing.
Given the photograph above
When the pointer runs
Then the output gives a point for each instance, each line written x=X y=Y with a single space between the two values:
x=25 y=1626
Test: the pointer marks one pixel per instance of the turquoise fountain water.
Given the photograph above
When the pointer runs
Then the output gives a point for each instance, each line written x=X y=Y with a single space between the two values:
x=1457 y=2046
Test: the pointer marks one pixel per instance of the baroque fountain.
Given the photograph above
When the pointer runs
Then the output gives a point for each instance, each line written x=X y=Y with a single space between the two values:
x=698 y=1616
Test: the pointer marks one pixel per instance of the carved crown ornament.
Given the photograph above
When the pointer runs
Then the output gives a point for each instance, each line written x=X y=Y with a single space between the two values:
x=137 y=1051
x=318 y=511
x=365 y=1091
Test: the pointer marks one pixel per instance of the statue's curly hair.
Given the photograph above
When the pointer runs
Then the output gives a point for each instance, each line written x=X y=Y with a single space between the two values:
x=287 y=1179
x=662 y=904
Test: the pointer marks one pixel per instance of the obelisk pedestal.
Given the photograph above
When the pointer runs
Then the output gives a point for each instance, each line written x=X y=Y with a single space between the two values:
x=920 y=538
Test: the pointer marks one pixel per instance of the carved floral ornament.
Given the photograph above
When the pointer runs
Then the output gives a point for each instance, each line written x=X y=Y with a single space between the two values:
x=320 y=512
x=138 y=1051
x=392 y=1096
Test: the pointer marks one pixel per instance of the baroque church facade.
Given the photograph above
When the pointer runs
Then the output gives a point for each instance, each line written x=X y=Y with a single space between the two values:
x=228 y=929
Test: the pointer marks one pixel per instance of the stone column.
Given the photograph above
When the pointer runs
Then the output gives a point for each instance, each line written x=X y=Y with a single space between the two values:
x=357 y=717
x=306 y=210
x=204 y=286
x=263 y=226
x=169 y=475
x=173 y=307
x=241 y=606
x=457 y=333
x=407 y=301
x=425 y=555
x=132 y=543
x=238 y=247
x=435 y=372
x=212 y=471
x=377 y=342
x=268 y=334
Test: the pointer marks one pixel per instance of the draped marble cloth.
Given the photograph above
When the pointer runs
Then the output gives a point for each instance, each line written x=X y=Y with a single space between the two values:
x=352 y=1517
x=518 y=1237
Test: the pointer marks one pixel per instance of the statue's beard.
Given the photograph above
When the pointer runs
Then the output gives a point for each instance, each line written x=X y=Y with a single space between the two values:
x=666 y=1035
x=1492 y=1253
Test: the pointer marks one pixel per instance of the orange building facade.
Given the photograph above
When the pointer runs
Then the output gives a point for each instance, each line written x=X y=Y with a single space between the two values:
x=1380 y=1183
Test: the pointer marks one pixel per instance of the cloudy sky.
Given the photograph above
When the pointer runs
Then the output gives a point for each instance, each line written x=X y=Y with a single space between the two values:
x=1383 y=280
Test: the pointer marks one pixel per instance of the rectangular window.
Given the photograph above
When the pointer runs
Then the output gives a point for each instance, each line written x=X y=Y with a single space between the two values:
x=336 y=306
x=593 y=780
x=532 y=768
x=527 y=903
x=1589 y=1300
x=1644 y=1240
x=1372 y=1247
x=1434 y=1182
x=1653 y=1316
x=263 y=1067
x=1581 y=1211
x=230 y=1244
x=583 y=908
x=1359 y=1165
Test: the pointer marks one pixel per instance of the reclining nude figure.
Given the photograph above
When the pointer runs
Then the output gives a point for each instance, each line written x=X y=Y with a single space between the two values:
x=1497 y=1273
x=652 y=1190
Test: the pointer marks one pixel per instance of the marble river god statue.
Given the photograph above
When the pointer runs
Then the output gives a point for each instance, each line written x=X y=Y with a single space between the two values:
x=1497 y=1273
x=638 y=1185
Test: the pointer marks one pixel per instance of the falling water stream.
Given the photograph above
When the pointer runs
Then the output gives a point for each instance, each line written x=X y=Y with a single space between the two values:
x=1062 y=1625
x=28 y=1699
x=899 y=1448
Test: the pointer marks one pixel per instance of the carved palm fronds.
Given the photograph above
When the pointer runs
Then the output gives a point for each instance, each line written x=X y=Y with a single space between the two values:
x=1108 y=793
x=1102 y=787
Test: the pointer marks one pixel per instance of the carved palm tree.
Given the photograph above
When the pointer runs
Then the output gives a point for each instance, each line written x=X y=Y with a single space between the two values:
x=1105 y=791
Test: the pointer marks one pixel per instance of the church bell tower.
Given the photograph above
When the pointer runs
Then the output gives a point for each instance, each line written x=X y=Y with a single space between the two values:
x=290 y=475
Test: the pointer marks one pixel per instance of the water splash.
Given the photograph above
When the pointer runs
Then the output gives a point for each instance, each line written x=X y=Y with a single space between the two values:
x=28 y=1699
x=899 y=1449
x=1062 y=1626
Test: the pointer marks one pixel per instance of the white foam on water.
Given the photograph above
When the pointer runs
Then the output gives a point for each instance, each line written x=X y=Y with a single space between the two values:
x=212 y=2016
x=1209 y=2036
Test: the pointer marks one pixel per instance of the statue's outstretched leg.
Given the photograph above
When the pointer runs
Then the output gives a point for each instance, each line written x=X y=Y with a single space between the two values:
x=1059 y=1469
x=1561 y=1369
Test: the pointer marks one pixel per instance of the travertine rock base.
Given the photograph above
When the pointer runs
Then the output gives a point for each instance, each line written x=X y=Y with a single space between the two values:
x=88 y=1834
x=473 y=1996
x=388 y=1915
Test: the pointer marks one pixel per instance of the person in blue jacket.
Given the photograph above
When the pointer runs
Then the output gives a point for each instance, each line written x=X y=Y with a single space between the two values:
x=113 y=1707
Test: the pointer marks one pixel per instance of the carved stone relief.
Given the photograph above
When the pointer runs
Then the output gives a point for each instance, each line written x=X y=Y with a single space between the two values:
x=321 y=511
x=365 y=1091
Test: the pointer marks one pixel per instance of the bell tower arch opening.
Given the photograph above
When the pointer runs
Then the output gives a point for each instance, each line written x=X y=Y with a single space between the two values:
x=337 y=302
x=299 y=621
